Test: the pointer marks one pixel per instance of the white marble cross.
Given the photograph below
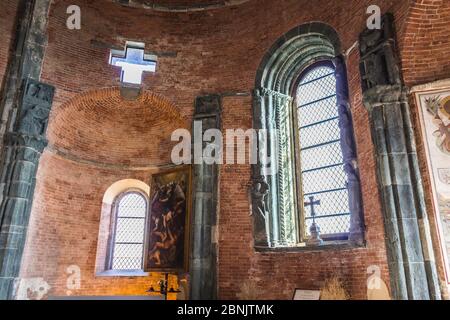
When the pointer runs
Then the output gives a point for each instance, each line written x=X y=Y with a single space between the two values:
x=134 y=62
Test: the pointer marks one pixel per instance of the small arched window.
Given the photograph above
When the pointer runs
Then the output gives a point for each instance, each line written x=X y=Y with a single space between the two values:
x=127 y=241
x=320 y=159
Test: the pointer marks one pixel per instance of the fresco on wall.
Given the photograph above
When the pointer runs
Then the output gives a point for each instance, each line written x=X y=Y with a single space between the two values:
x=434 y=107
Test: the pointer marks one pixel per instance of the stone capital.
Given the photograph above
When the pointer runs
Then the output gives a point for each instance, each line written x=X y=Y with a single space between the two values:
x=14 y=139
x=384 y=94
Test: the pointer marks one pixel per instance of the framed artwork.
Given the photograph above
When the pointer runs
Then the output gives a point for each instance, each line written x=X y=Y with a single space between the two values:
x=433 y=102
x=168 y=226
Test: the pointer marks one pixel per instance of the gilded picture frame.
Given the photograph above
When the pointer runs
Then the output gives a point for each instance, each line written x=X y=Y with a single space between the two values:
x=167 y=243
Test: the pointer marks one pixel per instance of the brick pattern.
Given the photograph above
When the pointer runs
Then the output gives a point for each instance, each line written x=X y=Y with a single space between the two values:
x=425 y=43
x=217 y=51
x=7 y=33
x=94 y=126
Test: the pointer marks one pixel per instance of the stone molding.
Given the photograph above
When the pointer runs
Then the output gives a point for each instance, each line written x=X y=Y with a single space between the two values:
x=195 y=7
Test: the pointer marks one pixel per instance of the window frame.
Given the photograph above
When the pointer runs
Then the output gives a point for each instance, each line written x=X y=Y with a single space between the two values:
x=276 y=74
x=302 y=232
x=113 y=231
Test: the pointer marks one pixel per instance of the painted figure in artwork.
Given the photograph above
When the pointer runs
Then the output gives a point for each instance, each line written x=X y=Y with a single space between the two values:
x=440 y=109
x=167 y=224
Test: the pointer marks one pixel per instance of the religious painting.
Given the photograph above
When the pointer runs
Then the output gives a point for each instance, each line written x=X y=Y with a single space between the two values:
x=167 y=241
x=433 y=101
x=439 y=108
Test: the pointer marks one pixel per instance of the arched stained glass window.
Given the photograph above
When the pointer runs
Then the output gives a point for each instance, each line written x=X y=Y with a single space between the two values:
x=129 y=228
x=321 y=161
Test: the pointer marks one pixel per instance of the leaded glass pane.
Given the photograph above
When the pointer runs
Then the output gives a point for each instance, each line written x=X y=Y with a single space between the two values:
x=320 y=133
x=331 y=225
x=321 y=155
x=320 y=180
x=132 y=205
x=127 y=256
x=318 y=111
x=129 y=232
x=323 y=174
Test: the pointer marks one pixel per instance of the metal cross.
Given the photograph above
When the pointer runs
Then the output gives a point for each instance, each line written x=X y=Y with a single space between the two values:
x=134 y=62
x=163 y=288
x=312 y=203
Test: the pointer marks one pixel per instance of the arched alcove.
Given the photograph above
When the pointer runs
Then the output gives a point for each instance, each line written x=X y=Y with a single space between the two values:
x=99 y=146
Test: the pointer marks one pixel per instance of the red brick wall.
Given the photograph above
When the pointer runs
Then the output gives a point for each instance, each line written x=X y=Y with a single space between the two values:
x=426 y=42
x=64 y=227
x=7 y=31
x=216 y=51
x=101 y=126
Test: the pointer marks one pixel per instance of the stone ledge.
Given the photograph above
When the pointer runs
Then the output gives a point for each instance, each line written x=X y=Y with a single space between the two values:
x=330 y=245
x=181 y=8
x=122 y=273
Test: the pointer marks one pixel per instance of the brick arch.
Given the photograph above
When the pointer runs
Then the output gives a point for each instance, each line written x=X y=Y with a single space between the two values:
x=424 y=43
x=100 y=126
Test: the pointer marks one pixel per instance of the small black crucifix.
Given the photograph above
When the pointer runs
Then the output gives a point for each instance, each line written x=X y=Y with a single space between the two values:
x=315 y=239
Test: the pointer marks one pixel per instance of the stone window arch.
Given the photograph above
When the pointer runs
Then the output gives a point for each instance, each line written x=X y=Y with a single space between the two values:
x=309 y=47
x=120 y=247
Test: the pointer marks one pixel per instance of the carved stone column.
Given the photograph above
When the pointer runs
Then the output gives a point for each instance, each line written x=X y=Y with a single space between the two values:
x=412 y=270
x=23 y=148
x=269 y=228
x=262 y=184
x=26 y=58
x=348 y=146
x=203 y=266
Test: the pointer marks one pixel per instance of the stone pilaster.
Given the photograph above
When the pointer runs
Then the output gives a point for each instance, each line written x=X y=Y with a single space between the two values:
x=413 y=274
x=23 y=148
x=262 y=183
x=20 y=149
x=26 y=58
x=203 y=266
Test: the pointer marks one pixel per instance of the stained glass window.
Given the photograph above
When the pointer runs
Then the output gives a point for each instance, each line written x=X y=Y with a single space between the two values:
x=321 y=160
x=128 y=245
